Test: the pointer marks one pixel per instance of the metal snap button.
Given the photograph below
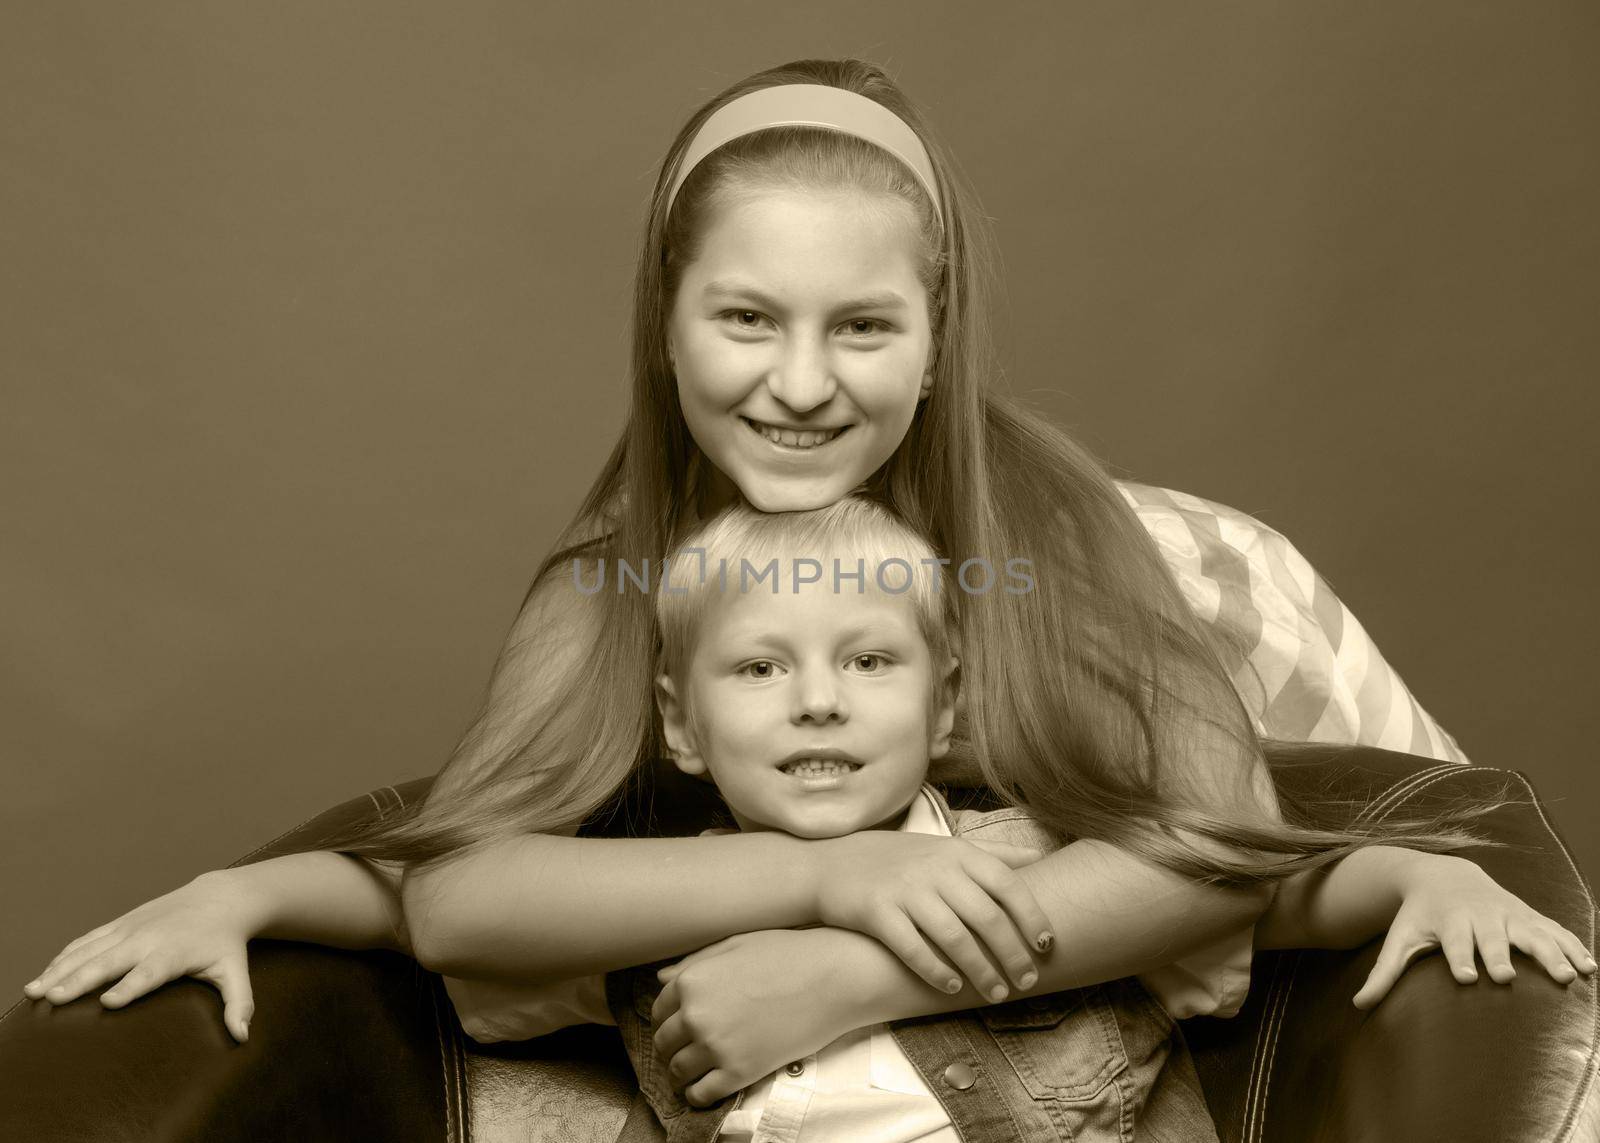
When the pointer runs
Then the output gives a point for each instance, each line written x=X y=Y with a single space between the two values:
x=798 y=1068
x=959 y=1076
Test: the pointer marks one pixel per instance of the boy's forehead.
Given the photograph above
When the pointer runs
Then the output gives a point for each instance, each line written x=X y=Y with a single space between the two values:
x=812 y=609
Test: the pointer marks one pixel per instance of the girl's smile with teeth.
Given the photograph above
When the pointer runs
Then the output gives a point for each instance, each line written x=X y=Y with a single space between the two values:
x=794 y=438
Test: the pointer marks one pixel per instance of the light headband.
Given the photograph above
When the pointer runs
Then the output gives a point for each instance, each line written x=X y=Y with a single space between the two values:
x=810 y=105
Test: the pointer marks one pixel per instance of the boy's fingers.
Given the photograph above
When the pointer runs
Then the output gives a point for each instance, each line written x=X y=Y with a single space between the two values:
x=1015 y=856
x=1495 y=950
x=672 y=1036
x=669 y=971
x=666 y=1004
x=714 y=1085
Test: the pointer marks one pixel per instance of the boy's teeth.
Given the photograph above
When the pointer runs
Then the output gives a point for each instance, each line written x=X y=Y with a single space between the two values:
x=818 y=767
x=809 y=438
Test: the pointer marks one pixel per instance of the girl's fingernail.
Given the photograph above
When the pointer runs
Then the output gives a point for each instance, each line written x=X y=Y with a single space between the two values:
x=998 y=992
x=1044 y=941
x=1589 y=963
x=1029 y=979
x=952 y=986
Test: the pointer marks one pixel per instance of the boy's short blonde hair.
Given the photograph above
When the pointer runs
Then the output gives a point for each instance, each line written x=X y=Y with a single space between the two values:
x=853 y=545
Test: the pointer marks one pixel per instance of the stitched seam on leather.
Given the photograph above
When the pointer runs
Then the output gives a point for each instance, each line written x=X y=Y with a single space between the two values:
x=1569 y=1121
x=456 y=1128
x=1399 y=791
x=1277 y=1028
x=1255 y=1058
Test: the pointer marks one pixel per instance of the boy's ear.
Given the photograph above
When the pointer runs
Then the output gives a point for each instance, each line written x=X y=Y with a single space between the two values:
x=944 y=720
x=675 y=724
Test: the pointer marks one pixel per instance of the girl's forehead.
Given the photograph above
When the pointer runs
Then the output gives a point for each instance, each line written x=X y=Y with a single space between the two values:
x=806 y=239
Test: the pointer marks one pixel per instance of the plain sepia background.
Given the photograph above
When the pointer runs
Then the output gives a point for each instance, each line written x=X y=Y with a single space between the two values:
x=315 y=330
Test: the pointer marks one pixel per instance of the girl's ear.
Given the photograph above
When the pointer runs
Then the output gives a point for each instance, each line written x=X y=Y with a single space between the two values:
x=675 y=724
x=944 y=720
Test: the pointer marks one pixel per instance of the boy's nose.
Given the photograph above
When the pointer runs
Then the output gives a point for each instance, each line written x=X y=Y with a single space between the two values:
x=817 y=699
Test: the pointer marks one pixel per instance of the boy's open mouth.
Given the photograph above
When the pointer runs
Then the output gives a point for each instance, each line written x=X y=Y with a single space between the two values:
x=819 y=767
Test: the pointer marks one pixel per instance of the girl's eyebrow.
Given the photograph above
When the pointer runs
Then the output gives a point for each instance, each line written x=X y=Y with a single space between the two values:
x=884 y=300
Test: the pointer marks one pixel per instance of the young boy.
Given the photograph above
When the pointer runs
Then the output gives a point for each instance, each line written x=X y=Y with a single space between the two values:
x=814 y=694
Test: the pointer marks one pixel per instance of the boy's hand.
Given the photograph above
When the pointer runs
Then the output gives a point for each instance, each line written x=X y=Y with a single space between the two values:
x=916 y=892
x=199 y=930
x=1453 y=905
x=742 y=1008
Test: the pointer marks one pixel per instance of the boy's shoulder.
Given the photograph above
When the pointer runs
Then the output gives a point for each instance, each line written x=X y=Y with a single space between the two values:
x=1011 y=824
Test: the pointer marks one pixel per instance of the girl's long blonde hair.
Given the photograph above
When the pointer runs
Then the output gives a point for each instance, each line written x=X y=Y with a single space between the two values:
x=1097 y=700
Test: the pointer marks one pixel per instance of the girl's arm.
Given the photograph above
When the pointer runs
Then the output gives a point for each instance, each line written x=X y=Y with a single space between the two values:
x=540 y=908
x=202 y=928
x=1425 y=901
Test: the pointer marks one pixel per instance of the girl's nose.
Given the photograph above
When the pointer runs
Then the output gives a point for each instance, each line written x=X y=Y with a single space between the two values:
x=818 y=699
x=803 y=379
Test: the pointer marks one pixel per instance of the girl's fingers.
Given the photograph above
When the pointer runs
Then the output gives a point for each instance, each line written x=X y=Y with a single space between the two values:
x=1018 y=900
x=1457 y=943
x=1016 y=856
x=715 y=1085
x=1399 y=948
x=65 y=964
x=897 y=934
x=231 y=976
x=92 y=973
x=137 y=981
x=1574 y=949
x=951 y=937
x=670 y=971
x=990 y=922
x=1495 y=950
x=1540 y=944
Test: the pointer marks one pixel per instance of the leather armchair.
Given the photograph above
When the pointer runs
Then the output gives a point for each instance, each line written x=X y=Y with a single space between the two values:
x=364 y=1046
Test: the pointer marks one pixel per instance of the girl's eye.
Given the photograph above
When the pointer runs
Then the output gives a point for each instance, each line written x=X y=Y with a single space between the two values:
x=760 y=669
x=738 y=317
x=869 y=664
x=873 y=327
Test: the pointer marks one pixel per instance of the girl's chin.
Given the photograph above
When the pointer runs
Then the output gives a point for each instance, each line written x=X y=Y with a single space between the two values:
x=768 y=494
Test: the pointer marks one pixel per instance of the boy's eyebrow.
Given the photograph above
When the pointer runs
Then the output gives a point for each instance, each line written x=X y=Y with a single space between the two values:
x=883 y=300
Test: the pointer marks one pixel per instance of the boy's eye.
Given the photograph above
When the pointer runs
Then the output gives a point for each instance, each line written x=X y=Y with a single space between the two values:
x=869 y=663
x=760 y=669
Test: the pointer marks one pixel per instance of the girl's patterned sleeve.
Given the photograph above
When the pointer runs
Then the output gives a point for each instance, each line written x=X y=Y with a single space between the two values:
x=1302 y=663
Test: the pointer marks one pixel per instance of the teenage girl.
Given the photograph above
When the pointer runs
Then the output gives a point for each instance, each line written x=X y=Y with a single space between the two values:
x=809 y=319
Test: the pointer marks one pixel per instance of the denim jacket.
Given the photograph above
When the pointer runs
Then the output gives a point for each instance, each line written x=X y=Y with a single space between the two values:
x=1089 y=1065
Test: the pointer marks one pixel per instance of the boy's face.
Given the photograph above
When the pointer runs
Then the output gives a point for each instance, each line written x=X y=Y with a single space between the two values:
x=812 y=711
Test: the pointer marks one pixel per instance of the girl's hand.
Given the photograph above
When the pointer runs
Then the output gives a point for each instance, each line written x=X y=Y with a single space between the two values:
x=914 y=892
x=744 y=1007
x=199 y=930
x=1451 y=904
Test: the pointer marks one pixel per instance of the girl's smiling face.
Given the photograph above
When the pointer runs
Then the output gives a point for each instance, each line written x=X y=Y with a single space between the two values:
x=801 y=341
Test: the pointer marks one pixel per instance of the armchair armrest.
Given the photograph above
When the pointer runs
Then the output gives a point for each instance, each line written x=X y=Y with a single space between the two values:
x=345 y=1045
x=1435 y=1060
